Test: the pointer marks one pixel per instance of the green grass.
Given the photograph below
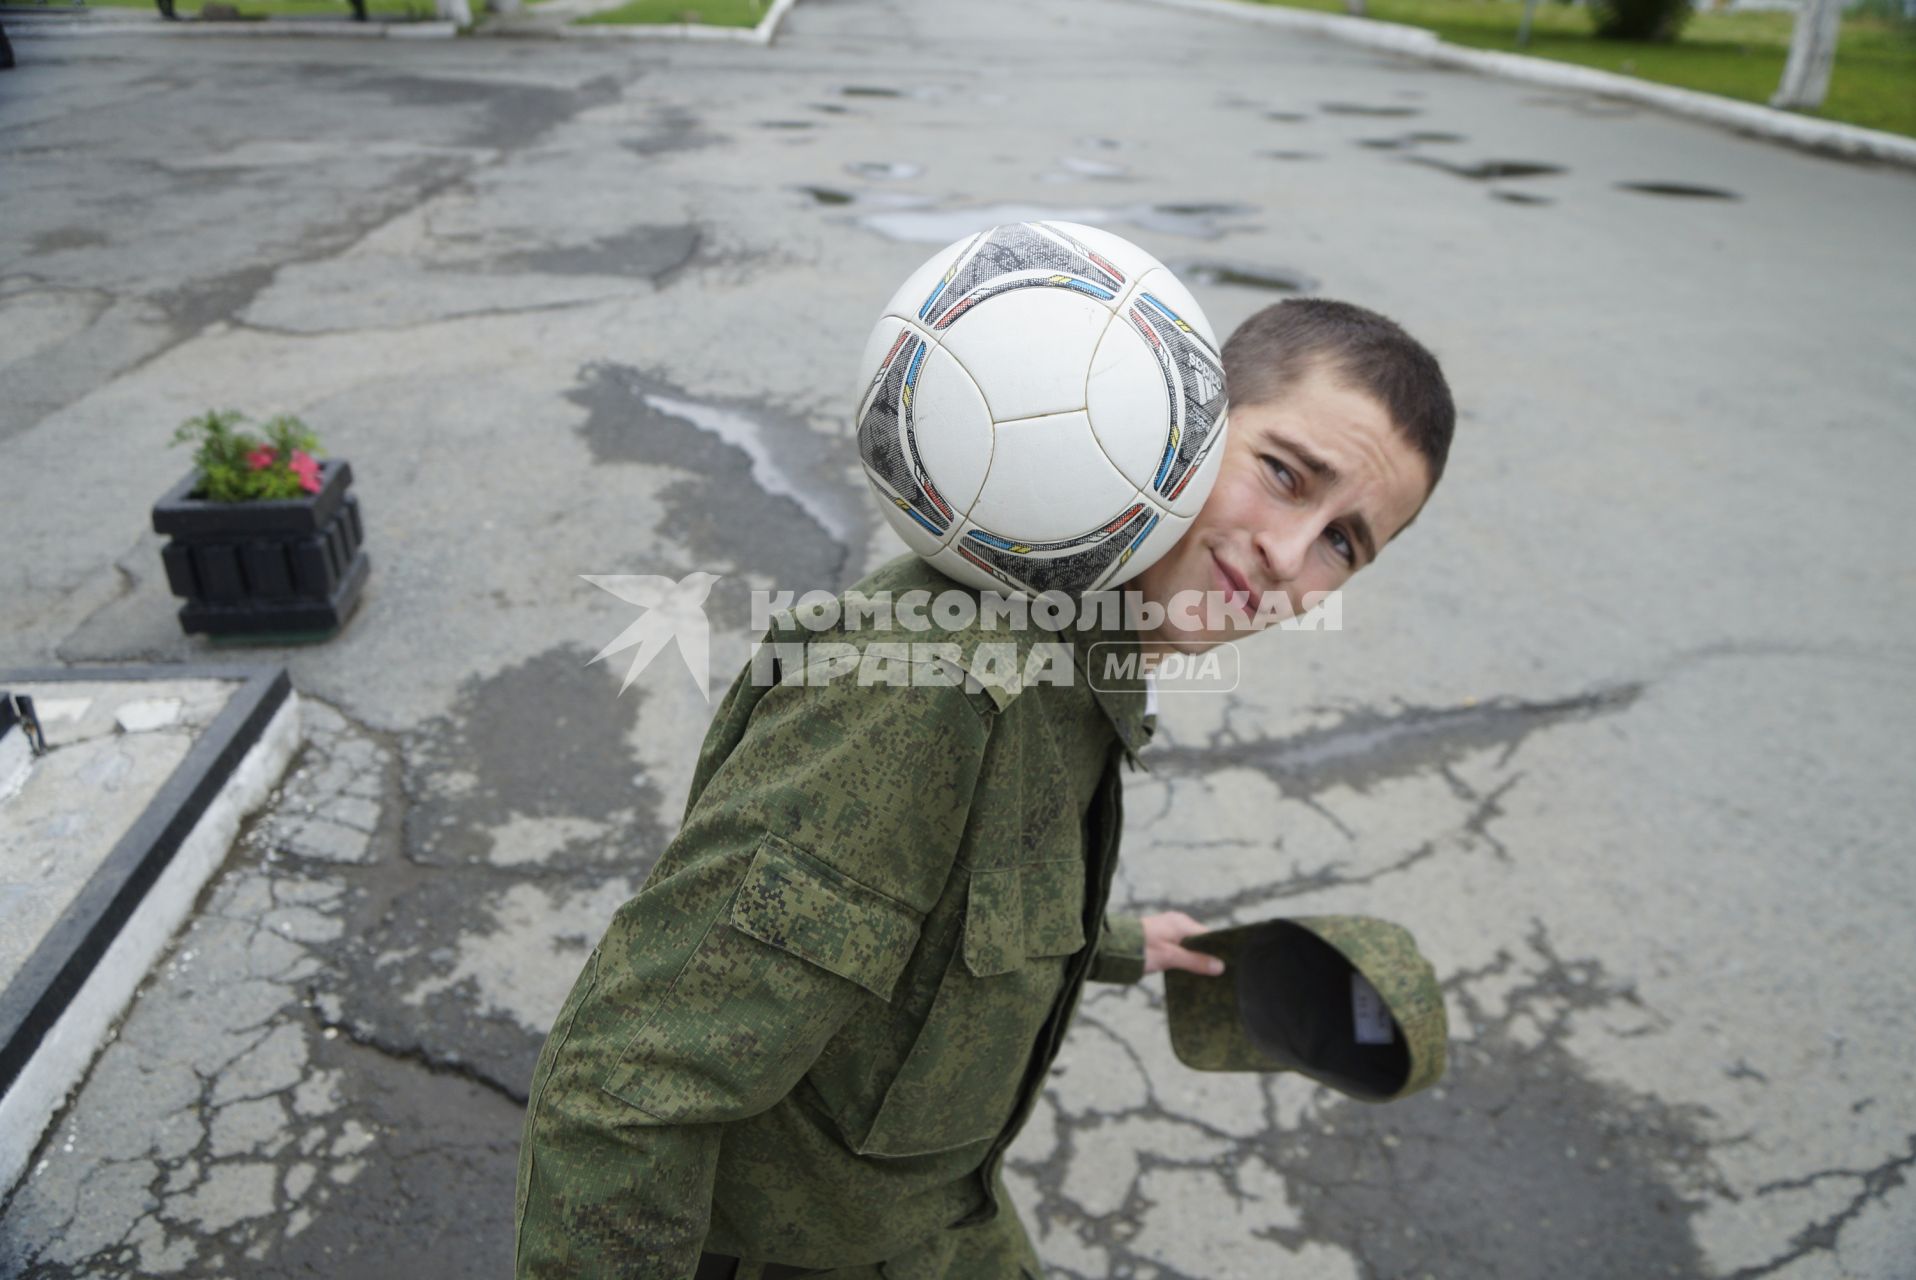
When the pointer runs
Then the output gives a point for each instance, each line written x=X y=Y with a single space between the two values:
x=1738 y=55
x=712 y=13
x=378 y=10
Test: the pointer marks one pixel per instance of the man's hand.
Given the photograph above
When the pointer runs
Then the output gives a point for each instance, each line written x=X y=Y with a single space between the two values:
x=1163 y=934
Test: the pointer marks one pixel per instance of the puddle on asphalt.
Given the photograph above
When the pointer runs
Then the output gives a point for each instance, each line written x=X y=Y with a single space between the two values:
x=1490 y=170
x=1242 y=275
x=1403 y=141
x=828 y=196
x=648 y=252
x=870 y=91
x=883 y=169
x=1368 y=109
x=1288 y=117
x=788 y=124
x=831 y=108
x=1680 y=190
x=1520 y=197
x=1290 y=155
x=943 y=226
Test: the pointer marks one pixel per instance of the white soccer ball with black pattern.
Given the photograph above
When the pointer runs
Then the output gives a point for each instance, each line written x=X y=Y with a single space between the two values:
x=1041 y=409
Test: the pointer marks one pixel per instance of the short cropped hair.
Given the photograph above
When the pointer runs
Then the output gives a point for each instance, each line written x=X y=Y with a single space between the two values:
x=1365 y=351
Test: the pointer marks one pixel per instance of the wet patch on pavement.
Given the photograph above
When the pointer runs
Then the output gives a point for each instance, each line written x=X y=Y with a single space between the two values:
x=1490 y=170
x=516 y=115
x=1520 y=1162
x=1405 y=141
x=759 y=488
x=1203 y=221
x=1364 y=747
x=62 y=238
x=538 y=741
x=1520 y=197
x=672 y=129
x=1371 y=110
x=1242 y=275
x=646 y=253
x=1679 y=190
x=1288 y=117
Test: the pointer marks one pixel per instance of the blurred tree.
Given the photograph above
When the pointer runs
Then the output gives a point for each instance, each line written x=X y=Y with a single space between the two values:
x=1806 y=76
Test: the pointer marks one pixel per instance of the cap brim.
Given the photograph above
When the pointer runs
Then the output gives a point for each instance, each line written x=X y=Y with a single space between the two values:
x=1345 y=1000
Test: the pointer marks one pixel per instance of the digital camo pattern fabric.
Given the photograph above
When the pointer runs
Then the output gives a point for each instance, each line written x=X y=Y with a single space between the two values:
x=867 y=939
x=1288 y=1002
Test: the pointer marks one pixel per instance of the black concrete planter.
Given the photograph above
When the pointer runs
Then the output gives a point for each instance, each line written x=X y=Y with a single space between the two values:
x=284 y=569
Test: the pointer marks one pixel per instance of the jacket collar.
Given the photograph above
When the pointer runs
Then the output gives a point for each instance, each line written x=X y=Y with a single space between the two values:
x=1107 y=660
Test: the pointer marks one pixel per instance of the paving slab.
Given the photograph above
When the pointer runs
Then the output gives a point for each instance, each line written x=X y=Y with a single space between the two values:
x=1618 y=729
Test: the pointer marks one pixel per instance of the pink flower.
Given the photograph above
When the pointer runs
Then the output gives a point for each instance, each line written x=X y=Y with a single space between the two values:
x=260 y=458
x=304 y=466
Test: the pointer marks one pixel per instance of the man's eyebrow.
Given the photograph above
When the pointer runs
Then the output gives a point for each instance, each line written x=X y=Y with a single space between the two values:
x=1359 y=526
x=1312 y=463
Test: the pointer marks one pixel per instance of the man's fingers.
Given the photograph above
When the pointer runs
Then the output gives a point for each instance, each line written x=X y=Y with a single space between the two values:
x=1194 y=961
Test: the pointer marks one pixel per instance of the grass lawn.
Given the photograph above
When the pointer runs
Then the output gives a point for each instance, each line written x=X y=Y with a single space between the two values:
x=390 y=10
x=1739 y=55
x=712 y=13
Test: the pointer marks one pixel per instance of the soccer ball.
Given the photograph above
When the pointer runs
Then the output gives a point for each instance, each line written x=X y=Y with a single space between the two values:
x=1041 y=408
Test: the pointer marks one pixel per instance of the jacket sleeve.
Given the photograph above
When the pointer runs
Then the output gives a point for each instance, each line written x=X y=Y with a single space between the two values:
x=792 y=896
x=1120 y=955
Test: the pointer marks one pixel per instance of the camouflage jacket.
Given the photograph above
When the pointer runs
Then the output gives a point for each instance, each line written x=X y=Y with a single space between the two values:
x=814 y=1032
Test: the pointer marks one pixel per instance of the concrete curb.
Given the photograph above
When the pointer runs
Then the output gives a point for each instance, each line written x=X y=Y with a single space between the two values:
x=45 y=28
x=56 y=1012
x=530 y=24
x=62 y=26
x=1826 y=136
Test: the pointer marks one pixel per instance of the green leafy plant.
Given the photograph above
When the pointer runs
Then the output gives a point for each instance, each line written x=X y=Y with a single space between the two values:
x=237 y=466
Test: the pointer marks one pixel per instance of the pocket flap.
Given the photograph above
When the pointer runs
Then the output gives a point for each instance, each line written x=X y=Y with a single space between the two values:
x=994 y=923
x=792 y=901
x=1053 y=907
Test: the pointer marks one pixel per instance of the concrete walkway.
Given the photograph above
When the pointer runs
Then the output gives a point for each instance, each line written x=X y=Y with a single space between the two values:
x=1619 y=729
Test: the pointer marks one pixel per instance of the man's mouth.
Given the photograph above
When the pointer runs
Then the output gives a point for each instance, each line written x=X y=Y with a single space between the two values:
x=1236 y=588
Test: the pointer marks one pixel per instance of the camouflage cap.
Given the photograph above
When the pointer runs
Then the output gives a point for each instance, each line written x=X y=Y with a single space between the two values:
x=1347 y=1000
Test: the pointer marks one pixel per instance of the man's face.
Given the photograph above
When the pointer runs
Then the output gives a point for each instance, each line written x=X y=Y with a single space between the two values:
x=1310 y=488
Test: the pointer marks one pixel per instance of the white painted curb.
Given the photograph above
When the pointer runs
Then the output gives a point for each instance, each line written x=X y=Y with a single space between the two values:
x=63 y=1058
x=38 y=28
x=761 y=34
x=1745 y=117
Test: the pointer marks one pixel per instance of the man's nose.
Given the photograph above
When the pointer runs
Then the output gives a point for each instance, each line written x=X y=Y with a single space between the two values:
x=1283 y=552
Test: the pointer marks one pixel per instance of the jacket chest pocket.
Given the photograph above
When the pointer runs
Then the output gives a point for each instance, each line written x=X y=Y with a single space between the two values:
x=961 y=1080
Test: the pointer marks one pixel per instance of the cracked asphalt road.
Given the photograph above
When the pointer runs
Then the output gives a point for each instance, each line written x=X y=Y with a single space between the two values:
x=1620 y=729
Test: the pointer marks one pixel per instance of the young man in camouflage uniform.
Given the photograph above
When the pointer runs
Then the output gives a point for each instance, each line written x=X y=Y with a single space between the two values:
x=805 y=1046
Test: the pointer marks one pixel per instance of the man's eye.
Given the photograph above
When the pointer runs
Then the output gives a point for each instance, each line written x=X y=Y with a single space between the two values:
x=1341 y=545
x=1282 y=472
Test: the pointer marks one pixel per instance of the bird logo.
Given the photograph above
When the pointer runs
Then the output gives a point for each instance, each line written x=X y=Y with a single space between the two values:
x=673 y=611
